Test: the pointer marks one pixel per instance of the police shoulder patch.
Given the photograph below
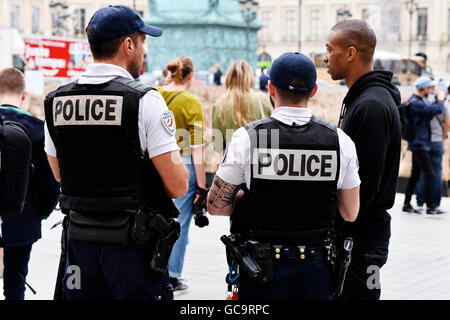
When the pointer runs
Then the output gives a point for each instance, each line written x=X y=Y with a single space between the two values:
x=168 y=121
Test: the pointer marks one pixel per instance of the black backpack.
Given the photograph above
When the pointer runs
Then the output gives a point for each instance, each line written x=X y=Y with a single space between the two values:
x=15 y=149
x=407 y=125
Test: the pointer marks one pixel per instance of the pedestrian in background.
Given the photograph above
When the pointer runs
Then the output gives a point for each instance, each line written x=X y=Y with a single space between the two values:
x=210 y=79
x=188 y=113
x=439 y=125
x=218 y=75
x=263 y=81
x=20 y=231
x=162 y=78
x=239 y=104
x=420 y=146
x=370 y=117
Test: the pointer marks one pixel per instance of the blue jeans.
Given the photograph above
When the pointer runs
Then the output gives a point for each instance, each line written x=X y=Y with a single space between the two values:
x=184 y=203
x=436 y=153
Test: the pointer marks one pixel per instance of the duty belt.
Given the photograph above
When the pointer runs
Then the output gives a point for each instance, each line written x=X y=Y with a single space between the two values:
x=298 y=252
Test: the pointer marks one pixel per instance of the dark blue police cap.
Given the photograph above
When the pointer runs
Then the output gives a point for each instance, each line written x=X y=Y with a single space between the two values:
x=117 y=21
x=293 y=66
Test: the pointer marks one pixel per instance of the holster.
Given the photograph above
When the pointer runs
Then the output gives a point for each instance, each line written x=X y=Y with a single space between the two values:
x=262 y=253
x=340 y=264
x=166 y=233
x=158 y=234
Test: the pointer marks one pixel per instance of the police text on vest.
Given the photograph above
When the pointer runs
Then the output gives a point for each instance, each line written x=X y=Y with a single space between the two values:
x=290 y=164
x=87 y=110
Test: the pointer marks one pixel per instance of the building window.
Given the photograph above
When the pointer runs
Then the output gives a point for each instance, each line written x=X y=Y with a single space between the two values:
x=35 y=20
x=15 y=16
x=422 y=23
x=80 y=21
x=290 y=25
x=315 y=25
x=266 y=20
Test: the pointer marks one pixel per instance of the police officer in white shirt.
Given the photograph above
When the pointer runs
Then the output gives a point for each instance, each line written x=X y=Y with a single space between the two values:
x=110 y=141
x=289 y=174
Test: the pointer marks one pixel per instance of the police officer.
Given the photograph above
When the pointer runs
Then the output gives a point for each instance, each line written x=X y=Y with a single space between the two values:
x=291 y=165
x=110 y=141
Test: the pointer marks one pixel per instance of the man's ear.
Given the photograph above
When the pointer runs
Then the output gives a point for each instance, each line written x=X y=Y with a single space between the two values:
x=128 y=45
x=351 y=54
x=271 y=89
x=313 y=93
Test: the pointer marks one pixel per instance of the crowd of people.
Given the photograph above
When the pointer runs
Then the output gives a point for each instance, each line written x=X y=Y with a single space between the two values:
x=299 y=190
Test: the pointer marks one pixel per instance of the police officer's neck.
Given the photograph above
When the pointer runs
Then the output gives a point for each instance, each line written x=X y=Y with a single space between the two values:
x=114 y=61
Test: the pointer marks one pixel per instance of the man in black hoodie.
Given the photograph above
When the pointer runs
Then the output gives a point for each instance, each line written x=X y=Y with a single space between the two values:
x=370 y=117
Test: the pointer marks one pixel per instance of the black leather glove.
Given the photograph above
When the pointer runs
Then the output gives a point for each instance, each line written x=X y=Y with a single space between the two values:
x=199 y=207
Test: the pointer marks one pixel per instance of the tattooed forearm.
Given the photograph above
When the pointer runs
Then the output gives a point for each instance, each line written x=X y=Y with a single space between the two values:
x=221 y=196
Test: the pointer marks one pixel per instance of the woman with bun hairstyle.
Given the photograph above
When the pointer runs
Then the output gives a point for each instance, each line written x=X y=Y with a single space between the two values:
x=239 y=104
x=187 y=110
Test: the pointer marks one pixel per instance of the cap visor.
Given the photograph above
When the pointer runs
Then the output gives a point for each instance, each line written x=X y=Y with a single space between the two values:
x=151 y=30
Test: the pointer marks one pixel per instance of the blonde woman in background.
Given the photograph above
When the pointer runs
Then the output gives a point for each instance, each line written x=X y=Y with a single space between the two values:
x=187 y=110
x=240 y=104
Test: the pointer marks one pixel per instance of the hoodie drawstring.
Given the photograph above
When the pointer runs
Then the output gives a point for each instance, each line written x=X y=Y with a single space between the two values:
x=341 y=116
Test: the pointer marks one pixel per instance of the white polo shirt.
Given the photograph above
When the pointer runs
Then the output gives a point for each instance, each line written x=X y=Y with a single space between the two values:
x=235 y=168
x=154 y=136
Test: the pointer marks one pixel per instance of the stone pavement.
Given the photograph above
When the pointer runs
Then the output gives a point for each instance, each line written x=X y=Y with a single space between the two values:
x=417 y=268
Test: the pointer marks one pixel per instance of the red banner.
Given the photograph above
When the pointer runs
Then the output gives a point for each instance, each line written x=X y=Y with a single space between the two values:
x=57 y=58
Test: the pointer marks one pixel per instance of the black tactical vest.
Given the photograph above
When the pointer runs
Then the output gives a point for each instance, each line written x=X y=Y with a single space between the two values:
x=294 y=175
x=95 y=132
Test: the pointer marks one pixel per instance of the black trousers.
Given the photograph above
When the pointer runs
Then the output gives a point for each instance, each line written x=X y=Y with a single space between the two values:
x=363 y=276
x=421 y=163
x=292 y=280
x=112 y=272
x=16 y=269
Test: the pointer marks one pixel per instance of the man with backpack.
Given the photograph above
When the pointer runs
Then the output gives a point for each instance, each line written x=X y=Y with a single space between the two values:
x=439 y=131
x=420 y=114
x=21 y=229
